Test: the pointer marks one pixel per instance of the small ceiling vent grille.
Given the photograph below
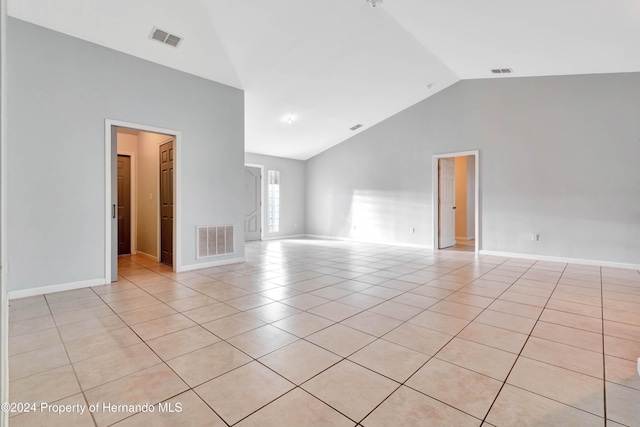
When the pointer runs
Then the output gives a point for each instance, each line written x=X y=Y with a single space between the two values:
x=356 y=127
x=502 y=71
x=165 y=37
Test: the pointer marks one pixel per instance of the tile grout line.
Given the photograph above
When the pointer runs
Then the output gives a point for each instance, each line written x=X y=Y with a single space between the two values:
x=407 y=259
x=238 y=367
x=604 y=363
x=73 y=368
x=339 y=361
x=162 y=361
x=403 y=383
x=343 y=358
x=523 y=346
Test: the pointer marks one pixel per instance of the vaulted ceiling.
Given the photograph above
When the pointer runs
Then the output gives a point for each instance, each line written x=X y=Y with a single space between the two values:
x=328 y=65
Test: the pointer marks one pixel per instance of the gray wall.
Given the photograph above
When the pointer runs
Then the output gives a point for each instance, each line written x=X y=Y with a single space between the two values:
x=61 y=90
x=559 y=156
x=292 y=193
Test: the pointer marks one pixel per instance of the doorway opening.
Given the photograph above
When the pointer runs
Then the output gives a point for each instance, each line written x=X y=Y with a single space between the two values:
x=456 y=201
x=142 y=182
x=253 y=212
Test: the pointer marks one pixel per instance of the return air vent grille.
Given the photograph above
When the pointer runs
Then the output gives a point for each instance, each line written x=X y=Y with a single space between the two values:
x=502 y=71
x=214 y=240
x=356 y=127
x=165 y=37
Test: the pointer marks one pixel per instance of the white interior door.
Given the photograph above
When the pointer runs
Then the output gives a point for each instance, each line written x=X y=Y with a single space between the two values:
x=252 y=195
x=446 y=203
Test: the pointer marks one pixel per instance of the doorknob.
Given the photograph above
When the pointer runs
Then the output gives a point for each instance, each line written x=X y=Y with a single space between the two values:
x=454 y=207
x=113 y=211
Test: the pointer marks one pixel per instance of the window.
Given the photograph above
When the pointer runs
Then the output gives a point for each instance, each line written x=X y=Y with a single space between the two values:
x=273 y=214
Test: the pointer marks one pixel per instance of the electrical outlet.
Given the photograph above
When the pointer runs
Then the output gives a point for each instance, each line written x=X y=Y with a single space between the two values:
x=535 y=237
x=354 y=226
x=412 y=229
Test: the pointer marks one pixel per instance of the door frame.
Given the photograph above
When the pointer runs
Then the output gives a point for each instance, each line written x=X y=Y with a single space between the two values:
x=253 y=165
x=111 y=147
x=436 y=193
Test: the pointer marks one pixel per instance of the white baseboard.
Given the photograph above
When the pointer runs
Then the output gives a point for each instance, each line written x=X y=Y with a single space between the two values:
x=147 y=256
x=374 y=242
x=294 y=236
x=562 y=259
x=471 y=237
x=192 y=267
x=23 y=293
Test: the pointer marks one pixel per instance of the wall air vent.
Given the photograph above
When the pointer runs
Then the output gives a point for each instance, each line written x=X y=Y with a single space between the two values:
x=356 y=127
x=165 y=37
x=214 y=240
x=502 y=71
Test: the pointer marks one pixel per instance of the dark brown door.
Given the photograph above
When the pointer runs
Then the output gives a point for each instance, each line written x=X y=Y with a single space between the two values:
x=166 y=203
x=124 y=205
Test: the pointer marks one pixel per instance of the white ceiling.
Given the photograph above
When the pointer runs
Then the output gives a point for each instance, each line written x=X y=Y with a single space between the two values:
x=332 y=64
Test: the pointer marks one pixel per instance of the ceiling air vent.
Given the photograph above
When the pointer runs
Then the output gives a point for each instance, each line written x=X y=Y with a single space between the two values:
x=165 y=37
x=502 y=71
x=356 y=127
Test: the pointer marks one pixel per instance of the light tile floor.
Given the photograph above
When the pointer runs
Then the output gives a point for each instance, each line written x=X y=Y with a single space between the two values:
x=324 y=333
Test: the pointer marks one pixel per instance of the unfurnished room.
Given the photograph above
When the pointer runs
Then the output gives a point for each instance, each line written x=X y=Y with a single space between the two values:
x=370 y=213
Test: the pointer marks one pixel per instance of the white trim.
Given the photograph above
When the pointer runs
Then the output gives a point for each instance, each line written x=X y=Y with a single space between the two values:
x=262 y=191
x=55 y=288
x=598 y=263
x=192 y=267
x=134 y=200
x=107 y=198
x=435 y=190
x=294 y=236
x=374 y=242
x=4 y=297
x=147 y=256
x=177 y=207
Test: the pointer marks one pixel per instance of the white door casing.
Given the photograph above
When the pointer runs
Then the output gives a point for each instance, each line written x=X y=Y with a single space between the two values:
x=446 y=205
x=253 y=197
x=111 y=231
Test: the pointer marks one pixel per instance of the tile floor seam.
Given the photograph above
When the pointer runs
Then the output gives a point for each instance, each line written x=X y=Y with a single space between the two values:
x=162 y=362
x=557 y=401
x=378 y=405
x=436 y=265
x=404 y=383
x=209 y=406
x=520 y=353
x=604 y=359
x=73 y=368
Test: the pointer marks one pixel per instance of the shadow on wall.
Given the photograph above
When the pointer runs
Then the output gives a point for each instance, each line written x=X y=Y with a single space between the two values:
x=392 y=216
